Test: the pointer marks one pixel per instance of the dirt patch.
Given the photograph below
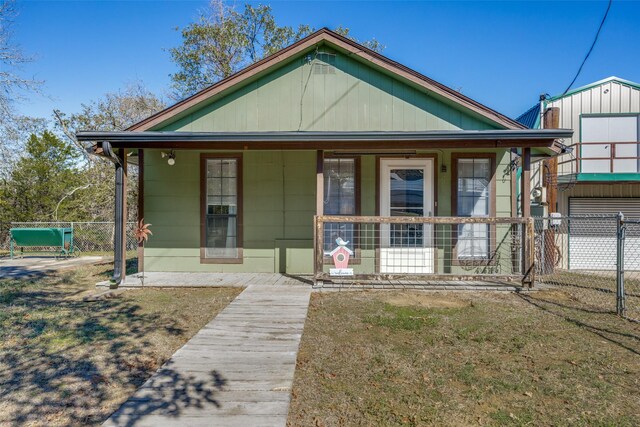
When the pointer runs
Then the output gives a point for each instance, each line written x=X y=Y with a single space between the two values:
x=423 y=300
x=555 y=295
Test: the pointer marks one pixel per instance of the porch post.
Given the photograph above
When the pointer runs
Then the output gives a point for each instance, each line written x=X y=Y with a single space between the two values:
x=319 y=182
x=528 y=232
x=121 y=213
x=140 y=206
x=525 y=183
x=318 y=226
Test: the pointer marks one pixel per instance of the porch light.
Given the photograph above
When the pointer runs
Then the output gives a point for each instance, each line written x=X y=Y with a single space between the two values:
x=171 y=157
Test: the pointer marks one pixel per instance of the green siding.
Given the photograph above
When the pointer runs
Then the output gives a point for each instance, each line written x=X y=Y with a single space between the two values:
x=354 y=98
x=279 y=186
x=279 y=204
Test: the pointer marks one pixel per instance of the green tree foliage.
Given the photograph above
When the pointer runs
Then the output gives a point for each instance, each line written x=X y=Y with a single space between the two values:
x=48 y=175
x=225 y=40
x=13 y=136
x=39 y=180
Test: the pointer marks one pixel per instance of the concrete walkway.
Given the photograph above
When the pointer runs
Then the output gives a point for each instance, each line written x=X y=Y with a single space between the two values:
x=31 y=267
x=236 y=371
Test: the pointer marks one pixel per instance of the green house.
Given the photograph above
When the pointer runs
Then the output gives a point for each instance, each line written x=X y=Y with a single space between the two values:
x=233 y=177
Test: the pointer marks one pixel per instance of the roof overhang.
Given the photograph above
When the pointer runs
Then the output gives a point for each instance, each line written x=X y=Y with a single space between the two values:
x=544 y=141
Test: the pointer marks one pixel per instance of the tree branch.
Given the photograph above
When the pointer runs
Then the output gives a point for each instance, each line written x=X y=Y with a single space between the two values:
x=69 y=194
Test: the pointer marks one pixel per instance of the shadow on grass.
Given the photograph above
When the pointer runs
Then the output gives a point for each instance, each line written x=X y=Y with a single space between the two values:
x=131 y=268
x=21 y=272
x=61 y=358
x=603 y=324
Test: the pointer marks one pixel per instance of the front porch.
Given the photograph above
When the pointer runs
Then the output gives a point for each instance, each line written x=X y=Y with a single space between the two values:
x=425 y=216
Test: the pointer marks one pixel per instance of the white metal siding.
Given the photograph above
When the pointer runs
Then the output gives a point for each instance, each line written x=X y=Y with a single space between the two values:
x=609 y=97
x=592 y=245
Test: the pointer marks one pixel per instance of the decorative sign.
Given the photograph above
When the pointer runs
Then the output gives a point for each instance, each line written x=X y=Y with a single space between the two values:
x=341 y=256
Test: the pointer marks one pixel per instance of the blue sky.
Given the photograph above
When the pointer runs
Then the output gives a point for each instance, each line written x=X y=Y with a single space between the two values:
x=503 y=54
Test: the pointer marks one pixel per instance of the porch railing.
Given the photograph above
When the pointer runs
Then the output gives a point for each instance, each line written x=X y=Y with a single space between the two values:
x=424 y=249
x=606 y=157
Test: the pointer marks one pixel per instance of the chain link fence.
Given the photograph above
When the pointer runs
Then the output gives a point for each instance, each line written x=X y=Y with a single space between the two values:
x=88 y=237
x=595 y=258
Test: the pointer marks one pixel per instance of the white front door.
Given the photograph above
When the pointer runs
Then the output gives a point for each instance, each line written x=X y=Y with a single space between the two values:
x=406 y=189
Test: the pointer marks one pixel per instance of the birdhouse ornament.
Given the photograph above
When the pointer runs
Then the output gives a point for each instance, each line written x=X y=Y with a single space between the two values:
x=341 y=254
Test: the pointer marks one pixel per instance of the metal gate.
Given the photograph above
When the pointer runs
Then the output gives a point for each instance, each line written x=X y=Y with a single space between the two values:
x=612 y=284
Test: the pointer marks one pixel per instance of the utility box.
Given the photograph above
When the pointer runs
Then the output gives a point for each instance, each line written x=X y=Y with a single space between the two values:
x=555 y=219
x=539 y=212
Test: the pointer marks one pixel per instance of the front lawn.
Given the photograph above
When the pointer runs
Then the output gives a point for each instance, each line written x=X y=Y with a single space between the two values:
x=380 y=358
x=67 y=361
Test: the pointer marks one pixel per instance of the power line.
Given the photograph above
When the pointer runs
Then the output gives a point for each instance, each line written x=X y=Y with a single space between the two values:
x=604 y=18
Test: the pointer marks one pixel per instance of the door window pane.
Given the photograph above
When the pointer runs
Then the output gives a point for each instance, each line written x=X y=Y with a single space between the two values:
x=406 y=199
x=339 y=199
x=222 y=209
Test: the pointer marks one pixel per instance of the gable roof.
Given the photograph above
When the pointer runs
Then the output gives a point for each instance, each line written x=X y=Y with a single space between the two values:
x=531 y=117
x=328 y=36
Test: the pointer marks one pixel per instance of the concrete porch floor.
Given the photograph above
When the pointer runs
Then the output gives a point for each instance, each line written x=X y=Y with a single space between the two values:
x=199 y=280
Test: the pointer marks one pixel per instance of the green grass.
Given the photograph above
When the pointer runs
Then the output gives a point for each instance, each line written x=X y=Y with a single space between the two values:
x=464 y=359
x=68 y=361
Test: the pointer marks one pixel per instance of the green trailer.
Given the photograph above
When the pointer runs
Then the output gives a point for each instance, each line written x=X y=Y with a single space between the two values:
x=61 y=238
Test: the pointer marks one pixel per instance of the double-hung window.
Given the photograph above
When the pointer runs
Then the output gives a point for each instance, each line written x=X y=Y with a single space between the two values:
x=222 y=208
x=340 y=198
x=473 y=197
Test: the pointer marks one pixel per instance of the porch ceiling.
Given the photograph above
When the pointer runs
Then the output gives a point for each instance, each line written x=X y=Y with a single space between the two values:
x=543 y=141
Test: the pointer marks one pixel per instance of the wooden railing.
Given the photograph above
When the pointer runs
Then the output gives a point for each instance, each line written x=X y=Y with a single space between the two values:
x=615 y=148
x=425 y=249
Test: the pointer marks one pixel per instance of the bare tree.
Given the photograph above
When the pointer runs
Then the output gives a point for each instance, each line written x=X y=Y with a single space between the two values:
x=14 y=128
x=114 y=111
x=12 y=84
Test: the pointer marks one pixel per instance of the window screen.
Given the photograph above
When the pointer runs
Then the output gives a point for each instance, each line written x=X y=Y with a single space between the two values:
x=222 y=208
x=473 y=200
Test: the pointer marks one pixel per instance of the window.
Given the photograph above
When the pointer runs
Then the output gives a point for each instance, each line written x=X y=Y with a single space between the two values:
x=406 y=198
x=473 y=197
x=222 y=208
x=609 y=144
x=340 y=198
